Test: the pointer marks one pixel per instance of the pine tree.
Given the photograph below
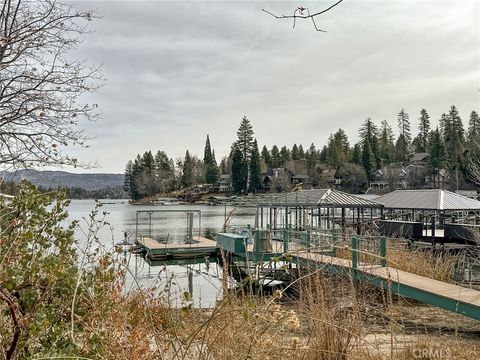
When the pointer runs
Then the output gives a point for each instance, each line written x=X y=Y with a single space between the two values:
x=357 y=154
x=473 y=125
x=284 y=155
x=165 y=171
x=457 y=123
x=400 y=148
x=474 y=134
x=386 y=146
x=275 y=157
x=424 y=130
x=188 y=175
x=127 y=179
x=245 y=138
x=207 y=152
x=444 y=125
x=322 y=157
x=368 y=160
x=148 y=163
x=369 y=133
x=404 y=127
x=436 y=151
x=239 y=172
x=295 y=152
x=301 y=152
x=338 y=149
x=255 y=169
x=163 y=164
x=137 y=170
x=212 y=172
x=311 y=157
x=266 y=157
x=454 y=141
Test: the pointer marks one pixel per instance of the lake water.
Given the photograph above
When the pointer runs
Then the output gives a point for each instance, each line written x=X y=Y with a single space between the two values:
x=121 y=217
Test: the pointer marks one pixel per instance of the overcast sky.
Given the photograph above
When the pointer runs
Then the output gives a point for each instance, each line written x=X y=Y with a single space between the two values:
x=177 y=71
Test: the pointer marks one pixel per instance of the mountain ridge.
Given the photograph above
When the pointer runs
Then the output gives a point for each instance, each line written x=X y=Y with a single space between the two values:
x=56 y=178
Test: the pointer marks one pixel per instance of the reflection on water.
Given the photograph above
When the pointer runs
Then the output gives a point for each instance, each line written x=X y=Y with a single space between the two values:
x=120 y=217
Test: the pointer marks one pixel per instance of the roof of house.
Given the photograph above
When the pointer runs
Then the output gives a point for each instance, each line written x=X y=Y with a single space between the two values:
x=316 y=197
x=420 y=156
x=434 y=199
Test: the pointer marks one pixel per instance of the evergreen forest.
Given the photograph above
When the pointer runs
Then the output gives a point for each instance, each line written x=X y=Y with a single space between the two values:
x=447 y=151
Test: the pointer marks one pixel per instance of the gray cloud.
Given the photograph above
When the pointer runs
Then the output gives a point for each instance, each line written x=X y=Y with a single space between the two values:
x=179 y=70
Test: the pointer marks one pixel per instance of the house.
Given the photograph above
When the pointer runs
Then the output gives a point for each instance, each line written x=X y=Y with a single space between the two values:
x=298 y=179
x=200 y=189
x=419 y=157
x=217 y=200
x=389 y=179
x=266 y=183
x=225 y=183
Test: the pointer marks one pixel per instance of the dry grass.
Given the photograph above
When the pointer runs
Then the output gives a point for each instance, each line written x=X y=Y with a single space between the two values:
x=324 y=317
x=439 y=267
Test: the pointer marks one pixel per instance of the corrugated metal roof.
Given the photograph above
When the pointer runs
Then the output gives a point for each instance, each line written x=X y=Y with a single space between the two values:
x=316 y=197
x=434 y=199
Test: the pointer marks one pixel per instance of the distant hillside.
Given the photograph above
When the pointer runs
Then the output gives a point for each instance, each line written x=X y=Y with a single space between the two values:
x=54 y=179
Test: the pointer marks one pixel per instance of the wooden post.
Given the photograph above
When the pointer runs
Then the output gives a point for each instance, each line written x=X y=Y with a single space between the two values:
x=190 y=283
x=333 y=217
x=433 y=224
x=308 y=239
x=257 y=245
x=261 y=218
x=328 y=219
x=285 y=240
x=359 y=224
x=286 y=218
x=383 y=250
x=354 y=256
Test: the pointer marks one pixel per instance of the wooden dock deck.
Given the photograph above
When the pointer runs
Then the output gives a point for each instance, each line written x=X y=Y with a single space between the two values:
x=451 y=291
x=451 y=297
x=455 y=298
x=200 y=247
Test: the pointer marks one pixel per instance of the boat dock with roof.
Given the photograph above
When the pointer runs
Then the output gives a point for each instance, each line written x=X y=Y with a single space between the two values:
x=312 y=228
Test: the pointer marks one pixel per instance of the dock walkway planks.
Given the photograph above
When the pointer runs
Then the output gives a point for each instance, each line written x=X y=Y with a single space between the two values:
x=435 y=287
x=451 y=297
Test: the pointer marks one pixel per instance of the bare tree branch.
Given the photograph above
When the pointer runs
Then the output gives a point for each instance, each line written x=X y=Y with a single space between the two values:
x=40 y=86
x=299 y=13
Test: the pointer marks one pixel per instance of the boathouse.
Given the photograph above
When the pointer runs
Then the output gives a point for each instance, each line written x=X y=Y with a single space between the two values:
x=315 y=209
x=434 y=214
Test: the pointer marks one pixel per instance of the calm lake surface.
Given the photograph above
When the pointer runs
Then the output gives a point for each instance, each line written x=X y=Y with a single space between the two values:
x=172 y=280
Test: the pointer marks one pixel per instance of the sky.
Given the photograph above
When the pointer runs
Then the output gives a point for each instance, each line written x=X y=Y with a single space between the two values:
x=176 y=71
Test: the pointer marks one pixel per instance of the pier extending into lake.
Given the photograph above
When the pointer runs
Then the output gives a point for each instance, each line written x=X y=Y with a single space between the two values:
x=324 y=230
x=454 y=298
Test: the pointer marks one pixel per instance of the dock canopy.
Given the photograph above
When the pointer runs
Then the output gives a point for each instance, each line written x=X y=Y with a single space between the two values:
x=434 y=199
x=317 y=197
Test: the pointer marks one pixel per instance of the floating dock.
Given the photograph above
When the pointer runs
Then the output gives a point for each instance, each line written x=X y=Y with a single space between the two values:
x=198 y=247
